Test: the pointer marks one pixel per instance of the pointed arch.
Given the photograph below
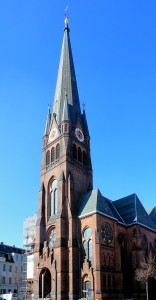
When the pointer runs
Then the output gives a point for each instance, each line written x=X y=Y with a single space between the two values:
x=84 y=158
x=87 y=245
x=74 y=151
x=109 y=281
x=57 y=151
x=79 y=154
x=52 y=154
x=45 y=279
x=53 y=198
x=104 y=281
x=47 y=158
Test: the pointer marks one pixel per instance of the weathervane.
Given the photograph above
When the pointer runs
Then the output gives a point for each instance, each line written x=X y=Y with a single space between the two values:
x=66 y=15
x=66 y=11
x=83 y=106
x=49 y=106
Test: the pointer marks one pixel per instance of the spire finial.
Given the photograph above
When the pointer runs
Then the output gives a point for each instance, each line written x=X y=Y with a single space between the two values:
x=49 y=105
x=83 y=106
x=66 y=21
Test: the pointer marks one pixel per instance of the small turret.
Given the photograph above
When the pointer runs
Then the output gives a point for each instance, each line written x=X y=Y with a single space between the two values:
x=48 y=120
x=66 y=112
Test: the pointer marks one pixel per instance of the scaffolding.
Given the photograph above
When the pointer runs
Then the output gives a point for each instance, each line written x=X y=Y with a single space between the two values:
x=29 y=229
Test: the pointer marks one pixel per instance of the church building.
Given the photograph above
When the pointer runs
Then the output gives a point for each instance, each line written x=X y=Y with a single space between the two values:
x=86 y=246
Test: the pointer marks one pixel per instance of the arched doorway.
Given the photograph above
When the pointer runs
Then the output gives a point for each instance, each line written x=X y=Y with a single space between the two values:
x=44 y=283
x=87 y=289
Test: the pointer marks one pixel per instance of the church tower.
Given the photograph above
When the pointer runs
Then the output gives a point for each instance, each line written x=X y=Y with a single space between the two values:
x=66 y=175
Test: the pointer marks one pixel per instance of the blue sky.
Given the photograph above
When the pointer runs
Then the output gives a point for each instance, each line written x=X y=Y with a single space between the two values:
x=114 y=50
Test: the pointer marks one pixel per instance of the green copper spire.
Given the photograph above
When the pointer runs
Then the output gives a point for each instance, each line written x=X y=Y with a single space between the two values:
x=66 y=82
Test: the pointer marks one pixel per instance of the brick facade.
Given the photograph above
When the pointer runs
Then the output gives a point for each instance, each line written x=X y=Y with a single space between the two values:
x=85 y=246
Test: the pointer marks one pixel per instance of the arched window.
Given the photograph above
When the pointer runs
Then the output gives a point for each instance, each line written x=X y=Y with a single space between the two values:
x=109 y=281
x=52 y=154
x=52 y=237
x=113 y=282
x=87 y=244
x=54 y=198
x=79 y=155
x=84 y=158
x=144 y=244
x=74 y=151
x=57 y=151
x=154 y=245
x=104 y=281
x=90 y=252
x=85 y=248
x=65 y=128
x=107 y=260
x=47 y=158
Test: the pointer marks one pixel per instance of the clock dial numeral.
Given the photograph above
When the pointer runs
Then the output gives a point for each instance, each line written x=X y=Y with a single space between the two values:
x=53 y=134
x=79 y=134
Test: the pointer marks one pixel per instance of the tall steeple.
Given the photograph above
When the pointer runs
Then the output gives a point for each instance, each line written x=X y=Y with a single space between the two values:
x=66 y=175
x=66 y=82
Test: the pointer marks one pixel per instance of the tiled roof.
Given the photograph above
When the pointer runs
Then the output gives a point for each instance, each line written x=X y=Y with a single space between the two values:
x=152 y=213
x=10 y=249
x=127 y=210
x=132 y=211
x=93 y=202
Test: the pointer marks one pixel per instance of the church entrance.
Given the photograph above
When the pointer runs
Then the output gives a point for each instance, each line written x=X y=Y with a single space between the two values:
x=44 y=283
x=87 y=289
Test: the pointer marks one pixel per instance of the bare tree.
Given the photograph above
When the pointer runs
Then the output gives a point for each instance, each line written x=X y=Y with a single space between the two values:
x=146 y=271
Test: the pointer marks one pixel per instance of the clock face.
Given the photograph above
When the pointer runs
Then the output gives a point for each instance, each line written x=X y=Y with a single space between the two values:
x=79 y=134
x=53 y=134
x=106 y=233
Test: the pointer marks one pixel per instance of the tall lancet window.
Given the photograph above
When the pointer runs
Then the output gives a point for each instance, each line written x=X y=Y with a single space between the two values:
x=54 y=198
x=87 y=245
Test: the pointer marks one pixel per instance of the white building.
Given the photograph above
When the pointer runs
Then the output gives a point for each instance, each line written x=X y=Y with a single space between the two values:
x=11 y=268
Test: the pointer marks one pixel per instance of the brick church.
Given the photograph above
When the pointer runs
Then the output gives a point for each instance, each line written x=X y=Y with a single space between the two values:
x=86 y=246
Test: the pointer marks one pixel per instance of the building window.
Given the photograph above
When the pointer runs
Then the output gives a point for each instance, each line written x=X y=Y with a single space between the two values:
x=3 y=280
x=65 y=128
x=79 y=155
x=4 y=267
x=52 y=237
x=84 y=158
x=52 y=154
x=109 y=281
x=113 y=282
x=10 y=268
x=57 y=151
x=9 y=280
x=87 y=245
x=154 y=245
x=74 y=151
x=47 y=158
x=54 y=198
x=104 y=281
x=107 y=261
x=16 y=257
